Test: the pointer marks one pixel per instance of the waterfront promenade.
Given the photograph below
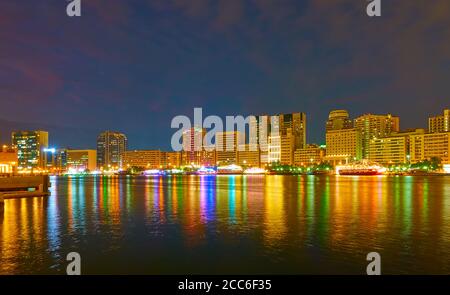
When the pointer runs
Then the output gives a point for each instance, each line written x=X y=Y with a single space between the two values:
x=23 y=187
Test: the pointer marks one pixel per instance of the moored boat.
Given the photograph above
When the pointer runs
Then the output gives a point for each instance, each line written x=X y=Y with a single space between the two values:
x=359 y=172
x=360 y=168
x=230 y=169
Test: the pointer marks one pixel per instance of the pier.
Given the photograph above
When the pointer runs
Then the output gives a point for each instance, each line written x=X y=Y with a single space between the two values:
x=15 y=187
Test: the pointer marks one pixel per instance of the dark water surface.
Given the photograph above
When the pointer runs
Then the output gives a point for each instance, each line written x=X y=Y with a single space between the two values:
x=231 y=224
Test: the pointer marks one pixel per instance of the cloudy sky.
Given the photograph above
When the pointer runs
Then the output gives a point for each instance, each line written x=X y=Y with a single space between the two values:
x=134 y=65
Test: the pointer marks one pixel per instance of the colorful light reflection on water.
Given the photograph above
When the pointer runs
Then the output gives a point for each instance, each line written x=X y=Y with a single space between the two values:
x=230 y=224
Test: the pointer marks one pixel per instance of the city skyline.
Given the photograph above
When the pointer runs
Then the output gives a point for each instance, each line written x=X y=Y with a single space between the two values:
x=87 y=135
x=246 y=142
x=146 y=62
x=373 y=137
x=428 y=126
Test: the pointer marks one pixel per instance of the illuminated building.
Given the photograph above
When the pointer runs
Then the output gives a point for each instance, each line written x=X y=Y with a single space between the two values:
x=192 y=142
x=426 y=146
x=287 y=147
x=274 y=153
x=393 y=149
x=259 y=130
x=249 y=156
x=343 y=146
x=208 y=157
x=375 y=126
x=274 y=140
x=194 y=153
x=227 y=146
x=312 y=154
x=338 y=119
x=110 y=148
x=30 y=146
x=49 y=158
x=288 y=133
x=294 y=124
x=172 y=159
x=388 y=150
x=82 y=160
x=253 y=135
x=151 y=159
x=55 y=160
x=278 y=136
x=8 y=160
x=440 y=123
x=61 y=159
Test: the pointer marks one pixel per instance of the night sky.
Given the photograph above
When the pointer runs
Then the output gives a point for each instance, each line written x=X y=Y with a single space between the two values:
x=133 y=65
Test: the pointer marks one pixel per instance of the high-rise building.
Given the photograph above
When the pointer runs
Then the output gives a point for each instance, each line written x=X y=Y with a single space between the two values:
x=274 y=153
x=287 y=148
x=375 y=126
x=209 y=156
x=172 y=159
x=343 y=142
x=110 y=148
x=440 y=123
x=259 y=129
x=393 y=149
x=50 y=159
x=268 y=132
x=55 y=160
x=192 y=141
x=426 y=146
x=287 y=133
x=249 y=156
x=30 y=146
x=311 y=154
x=82 y=160
x=227 y=143
x=274 y=141
x=61 y=160
x=343 y=146
x=388 y=150
x=150 y=159
x=294 y=123
x=338 y=119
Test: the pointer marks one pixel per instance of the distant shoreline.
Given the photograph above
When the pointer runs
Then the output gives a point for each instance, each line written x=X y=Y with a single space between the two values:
x=253 y=175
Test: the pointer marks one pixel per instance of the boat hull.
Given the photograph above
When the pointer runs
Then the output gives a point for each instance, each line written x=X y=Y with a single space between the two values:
x=359 y=172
